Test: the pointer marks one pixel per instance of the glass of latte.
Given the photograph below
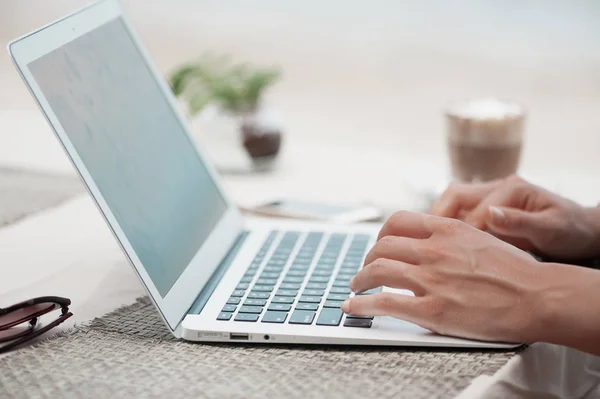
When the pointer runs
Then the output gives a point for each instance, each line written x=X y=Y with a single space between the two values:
x=484 y=139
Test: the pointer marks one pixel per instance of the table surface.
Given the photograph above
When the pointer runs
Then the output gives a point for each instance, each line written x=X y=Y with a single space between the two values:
x=69 y=251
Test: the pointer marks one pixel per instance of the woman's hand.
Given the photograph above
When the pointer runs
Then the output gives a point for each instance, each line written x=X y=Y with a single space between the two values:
x=525 y=215
x=466 y=282
x=470 y=284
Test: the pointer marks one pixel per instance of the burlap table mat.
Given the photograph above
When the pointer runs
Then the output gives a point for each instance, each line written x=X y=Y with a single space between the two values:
x=129 y=352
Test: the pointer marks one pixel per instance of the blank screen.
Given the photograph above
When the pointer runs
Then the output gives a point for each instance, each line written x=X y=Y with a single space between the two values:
x=133 y=146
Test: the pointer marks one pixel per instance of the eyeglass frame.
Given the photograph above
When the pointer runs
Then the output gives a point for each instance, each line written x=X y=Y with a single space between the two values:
x=32 y=332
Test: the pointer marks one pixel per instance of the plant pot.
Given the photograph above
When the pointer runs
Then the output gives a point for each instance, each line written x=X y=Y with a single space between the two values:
x=238 y=142
x=261 y=137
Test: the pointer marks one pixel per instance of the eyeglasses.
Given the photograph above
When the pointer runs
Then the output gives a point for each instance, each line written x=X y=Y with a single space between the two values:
x=18 y=322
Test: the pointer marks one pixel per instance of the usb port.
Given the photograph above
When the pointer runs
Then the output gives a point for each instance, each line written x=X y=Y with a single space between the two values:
x=238 y=337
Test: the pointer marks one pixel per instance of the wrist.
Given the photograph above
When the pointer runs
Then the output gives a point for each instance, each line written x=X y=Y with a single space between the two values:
x=565 y=308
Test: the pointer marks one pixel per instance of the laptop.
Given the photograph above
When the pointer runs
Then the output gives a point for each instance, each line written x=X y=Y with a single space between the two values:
x=212 y=275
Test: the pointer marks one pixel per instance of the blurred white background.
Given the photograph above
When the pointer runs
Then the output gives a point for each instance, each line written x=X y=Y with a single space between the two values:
x=378 y=74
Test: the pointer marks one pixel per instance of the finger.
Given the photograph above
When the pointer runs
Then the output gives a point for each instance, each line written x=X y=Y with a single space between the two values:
x=517 y=224
x=461 y=196
x=521 y=243
x=395 y=248
x=405 y=224
x=514 y=194
x=389 y=273
x=384 y=304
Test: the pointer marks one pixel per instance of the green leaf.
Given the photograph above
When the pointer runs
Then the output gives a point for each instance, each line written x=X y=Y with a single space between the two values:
x=236 y=88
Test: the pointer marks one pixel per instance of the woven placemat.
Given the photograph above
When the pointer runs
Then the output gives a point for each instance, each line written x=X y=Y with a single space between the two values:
x=129 y=352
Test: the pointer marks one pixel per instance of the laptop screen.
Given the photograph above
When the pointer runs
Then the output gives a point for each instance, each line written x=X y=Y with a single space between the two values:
x=132 y=144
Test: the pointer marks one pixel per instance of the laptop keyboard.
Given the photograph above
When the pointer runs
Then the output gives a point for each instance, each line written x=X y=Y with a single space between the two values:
x=308 y=289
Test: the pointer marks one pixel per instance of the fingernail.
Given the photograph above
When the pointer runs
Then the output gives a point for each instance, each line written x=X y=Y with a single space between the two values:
x=346 y=306
x=498 y=216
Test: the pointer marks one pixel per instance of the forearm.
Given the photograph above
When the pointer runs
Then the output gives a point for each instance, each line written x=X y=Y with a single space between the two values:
x=568 y=302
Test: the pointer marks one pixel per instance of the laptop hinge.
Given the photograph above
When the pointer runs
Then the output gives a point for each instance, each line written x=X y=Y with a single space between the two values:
x=218 y=274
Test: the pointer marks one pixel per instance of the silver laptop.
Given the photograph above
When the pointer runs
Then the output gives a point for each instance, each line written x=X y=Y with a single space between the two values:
x=212 y=275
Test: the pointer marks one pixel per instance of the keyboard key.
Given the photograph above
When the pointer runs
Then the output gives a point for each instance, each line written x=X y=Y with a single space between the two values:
x=242 y=286
x=337 y=297
x=299 y=268
x=307 y=306
x=325 y=273
x=313 y=292
x=238 y=293
x=354 y=256
x=303 y=262
x=283 y=307
x=310 y=299
x=296 y=273
x=325 y=264
x=273 y=269
x=263 y=288
x=224 y=316
x=266 y=281
x=316 y=286
x=290 y=286
x=291 y=279
x=344 y=276
x=359 y=317
x=362 y=323
x=246 y=279
x=361 y=237
x=283 y=299
x=246 y=317
x=330 y=317
x=233 y=301
x=274 y=317
x=287 y=293
x=333 y=304
x=371 y=291
x=341 y=283
x=319 y=279
x=228 y=308
x=255 y=302
x=353 y=259
x=340 y=290
x=276 y=263
x=269 y=275
x=326 y=268
x=327 y=260
x=259 y=295
x=251 y=309
x=355 y=250
x=302 y=317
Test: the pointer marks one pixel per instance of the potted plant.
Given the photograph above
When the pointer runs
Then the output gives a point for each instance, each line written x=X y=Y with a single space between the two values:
x=236 y=89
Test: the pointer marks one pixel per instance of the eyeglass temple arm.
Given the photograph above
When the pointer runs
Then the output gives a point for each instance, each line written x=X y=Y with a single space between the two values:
x=63 y=302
